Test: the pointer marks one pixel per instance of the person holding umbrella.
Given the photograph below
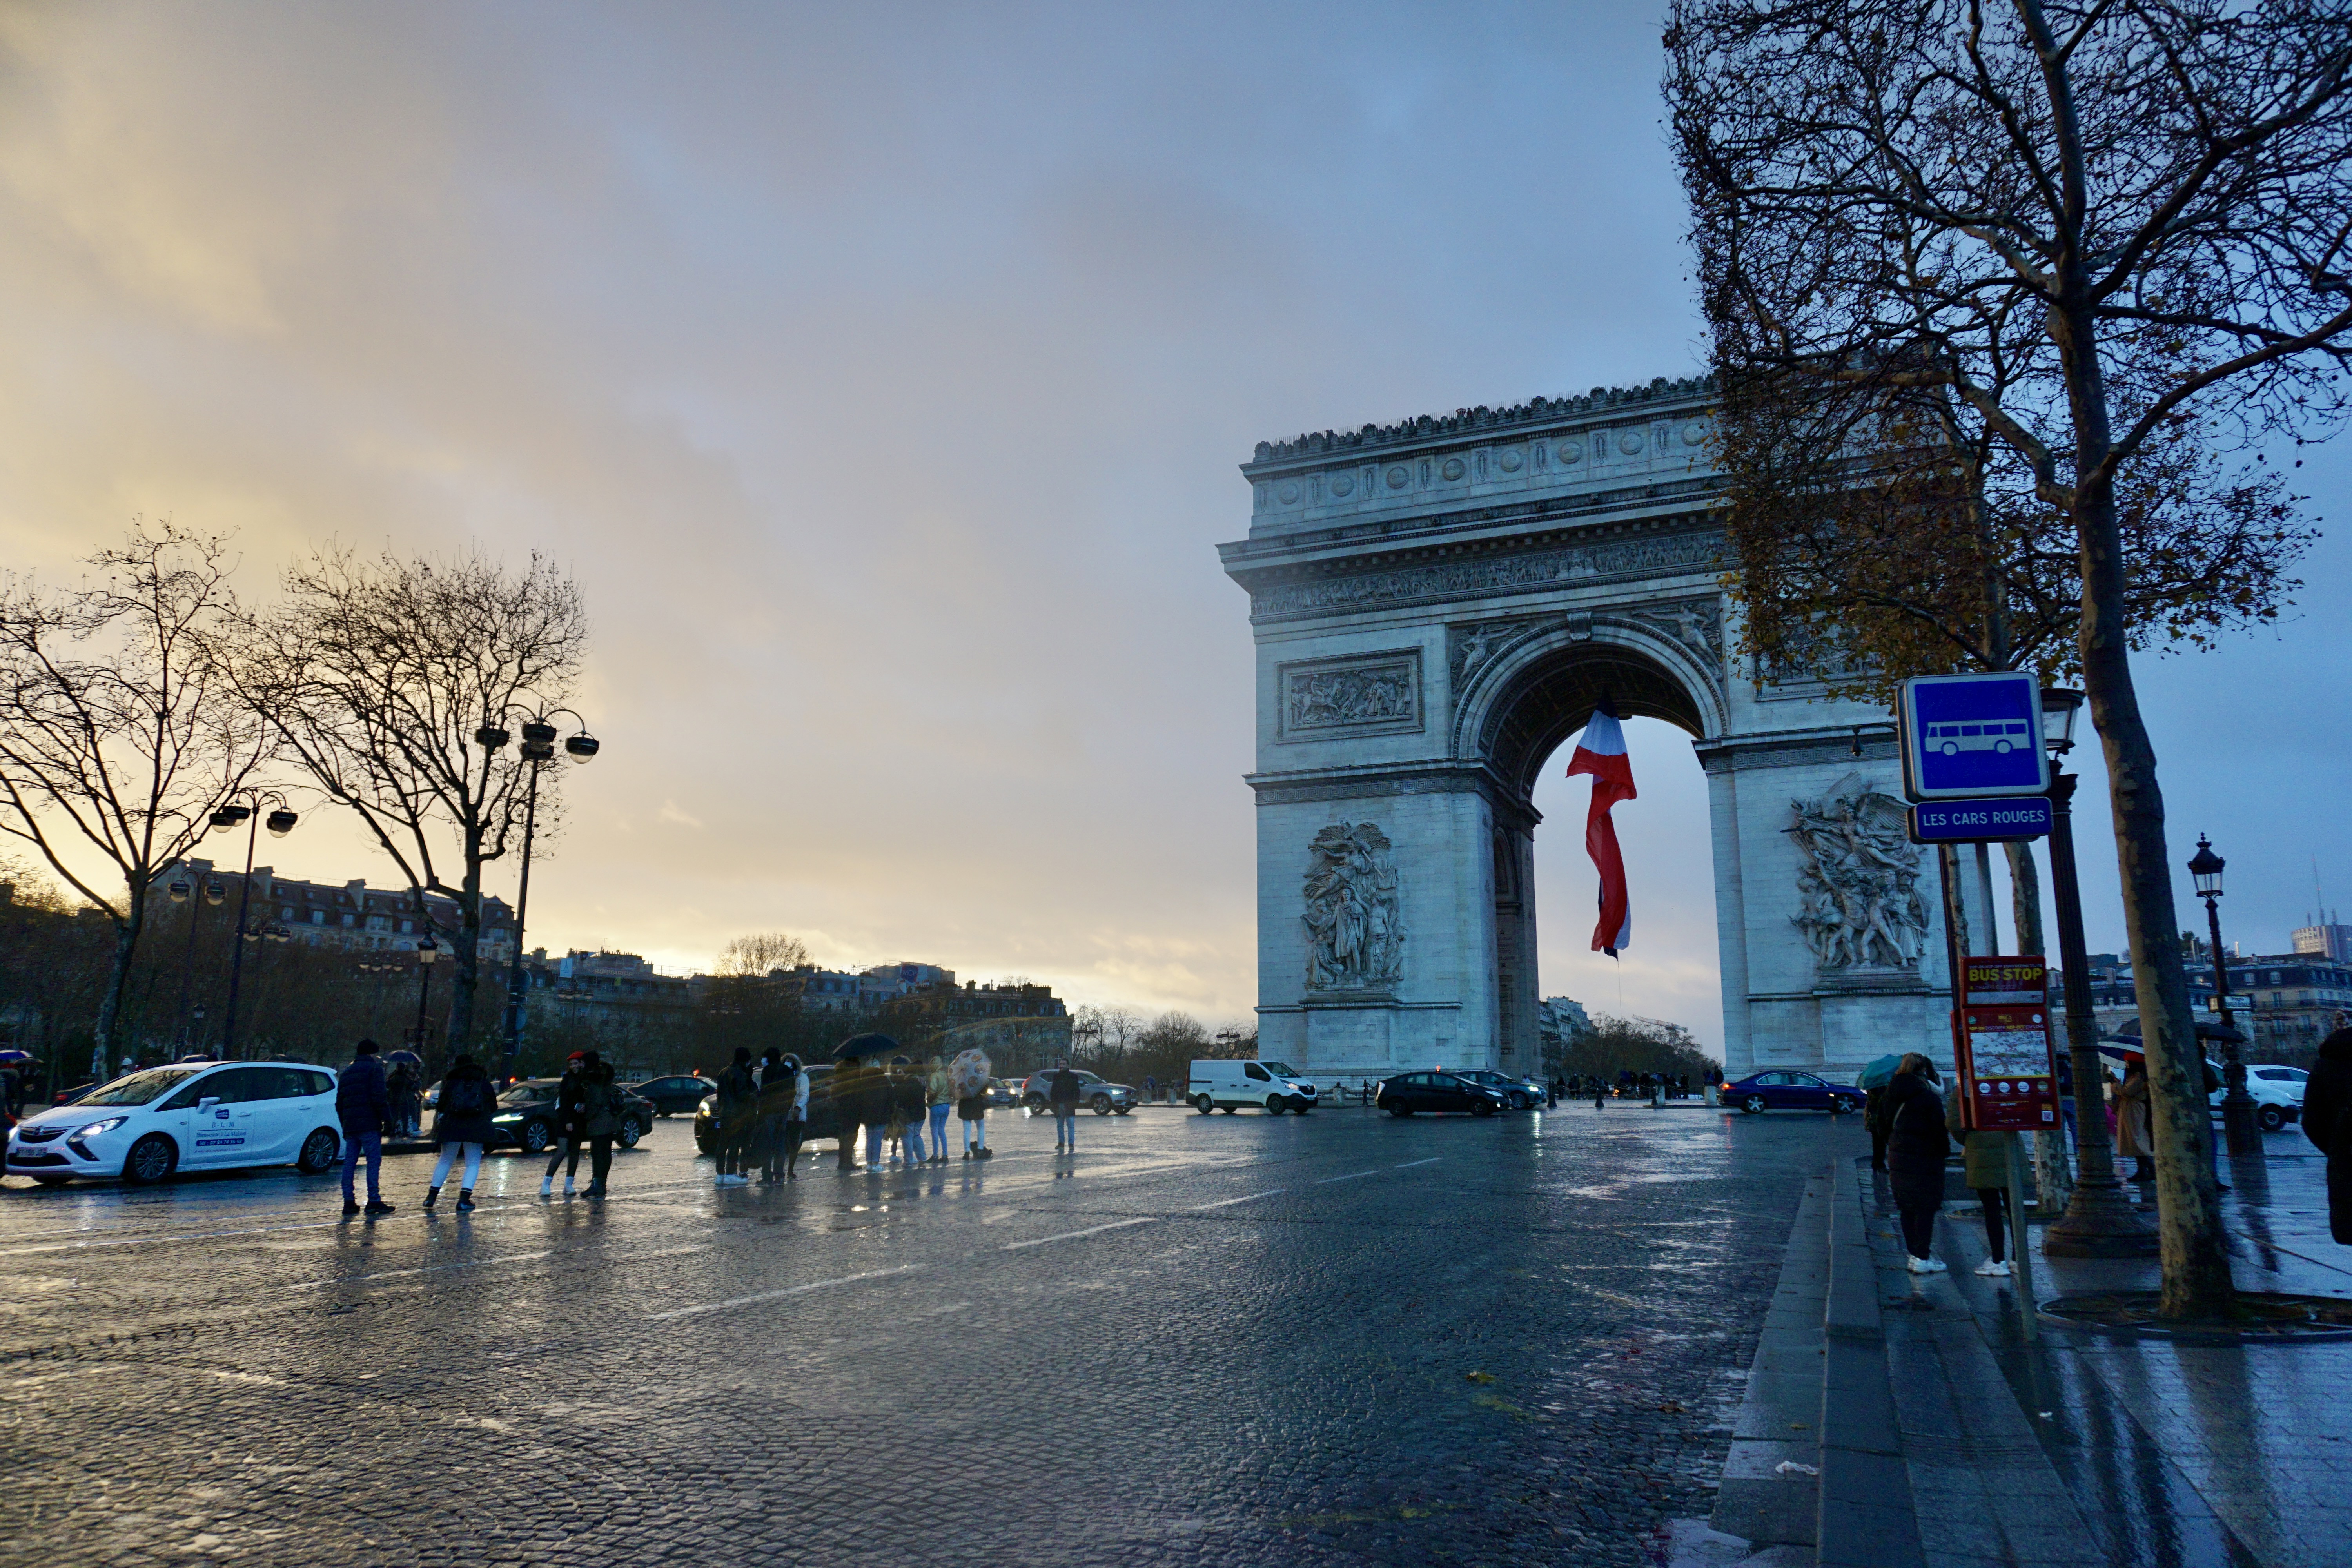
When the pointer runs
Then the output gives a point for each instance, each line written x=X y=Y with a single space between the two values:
x=1875 y=1114
x=1917 y=1144
x=968 y=1081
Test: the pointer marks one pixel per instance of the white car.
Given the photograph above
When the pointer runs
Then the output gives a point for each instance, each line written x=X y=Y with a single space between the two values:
x=1228 y=1083
x=2277 y=1092
x=190 y=1116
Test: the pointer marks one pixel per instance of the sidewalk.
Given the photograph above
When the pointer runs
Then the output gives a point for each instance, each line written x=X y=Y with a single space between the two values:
x=1948 y=1439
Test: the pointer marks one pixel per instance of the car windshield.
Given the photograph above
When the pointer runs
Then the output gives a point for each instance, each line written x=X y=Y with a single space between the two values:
x=143 y=1087
x=1280 y=1069
x=528 y=1094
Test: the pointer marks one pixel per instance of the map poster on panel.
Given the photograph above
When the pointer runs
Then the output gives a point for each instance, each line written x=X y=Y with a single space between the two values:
x=2008 y=1080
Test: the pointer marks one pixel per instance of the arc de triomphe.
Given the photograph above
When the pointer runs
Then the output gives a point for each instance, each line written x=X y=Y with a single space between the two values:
x=1438 y=605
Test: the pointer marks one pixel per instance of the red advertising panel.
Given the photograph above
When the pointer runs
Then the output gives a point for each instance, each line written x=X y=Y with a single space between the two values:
x=2008 y=1080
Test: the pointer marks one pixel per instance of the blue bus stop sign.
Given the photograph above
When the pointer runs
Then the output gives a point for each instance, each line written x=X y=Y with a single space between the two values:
x=1972 y=736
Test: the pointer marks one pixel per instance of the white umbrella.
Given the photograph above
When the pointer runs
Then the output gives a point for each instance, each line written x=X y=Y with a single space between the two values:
x=968 y=1073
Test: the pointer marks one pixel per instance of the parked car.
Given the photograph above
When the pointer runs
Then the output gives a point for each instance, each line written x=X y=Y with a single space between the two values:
x=1094 y=1091
x=2277 y=1092
x=1518 y=1093
x=526 y=1117
x=669 y=1096
x=1784 y=1090
x=823 y=1119
x=1409 y=1092
x=1228 y=1083
x=188 y=1116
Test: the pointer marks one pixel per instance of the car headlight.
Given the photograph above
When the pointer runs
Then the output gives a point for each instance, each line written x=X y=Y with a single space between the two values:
x=510 y=1116
x=95 y=1128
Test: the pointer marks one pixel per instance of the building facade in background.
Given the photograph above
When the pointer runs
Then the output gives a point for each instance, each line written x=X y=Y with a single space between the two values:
x=1021 y=1027
x=2326 y=939
x=351 y=915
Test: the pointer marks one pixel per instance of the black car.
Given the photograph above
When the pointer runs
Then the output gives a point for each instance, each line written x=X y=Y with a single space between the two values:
x=1411 y=1091
x=1518 y=1093
x=669 y=1096
x=526 y=1117
x=823 y=1120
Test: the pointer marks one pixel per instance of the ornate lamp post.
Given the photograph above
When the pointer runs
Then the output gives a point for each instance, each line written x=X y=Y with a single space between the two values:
x=2237 y=1106
x=280 y=822
x=2100 y=1221
x=537 y=747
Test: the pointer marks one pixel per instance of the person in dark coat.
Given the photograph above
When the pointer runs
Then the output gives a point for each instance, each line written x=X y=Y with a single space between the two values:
x=361 y=1101
x=565 y=1149
x=1062 y=1097
x=972 y=1112
x=907 y=1108
x=1874 y=1114
x=739 y=1108
x=601 y=1109
x=2327 y=1122
x=779 y=1076
x=1917 y=1144
x=461 y=1125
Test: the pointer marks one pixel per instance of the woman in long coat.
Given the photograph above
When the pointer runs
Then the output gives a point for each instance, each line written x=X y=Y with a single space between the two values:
x=2327 y=1122
x=1917 y=1144
x=2134 y=1129
x=599 y=1121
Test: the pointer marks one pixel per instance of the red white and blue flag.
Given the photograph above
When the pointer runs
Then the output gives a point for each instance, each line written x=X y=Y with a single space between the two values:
x=1600 y=752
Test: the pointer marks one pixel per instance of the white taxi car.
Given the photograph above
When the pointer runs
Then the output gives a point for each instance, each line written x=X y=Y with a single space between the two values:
x=189 y=1116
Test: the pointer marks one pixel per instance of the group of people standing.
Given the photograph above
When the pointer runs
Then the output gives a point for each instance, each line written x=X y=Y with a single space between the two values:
x=763 y=1114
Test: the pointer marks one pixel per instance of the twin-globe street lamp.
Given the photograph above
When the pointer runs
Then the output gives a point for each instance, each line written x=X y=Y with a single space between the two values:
x=537 y=747
x=280 y=822
x=180 y=890
x=2237 y=1106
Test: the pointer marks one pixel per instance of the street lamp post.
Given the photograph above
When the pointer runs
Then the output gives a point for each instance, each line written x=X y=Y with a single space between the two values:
x=2237 y=1106
x=280 y=822
x=426 y=951
x=537 y=747
x=2100 y=1220
x=179 y=891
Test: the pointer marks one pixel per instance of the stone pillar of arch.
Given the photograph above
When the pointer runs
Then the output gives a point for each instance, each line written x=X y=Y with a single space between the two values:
x=1438 y=607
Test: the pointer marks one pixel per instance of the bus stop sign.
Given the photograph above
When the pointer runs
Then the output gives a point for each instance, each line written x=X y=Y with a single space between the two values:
x=1972 y=736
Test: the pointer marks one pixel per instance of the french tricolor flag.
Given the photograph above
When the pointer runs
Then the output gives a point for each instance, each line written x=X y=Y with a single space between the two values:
x=1600 y=752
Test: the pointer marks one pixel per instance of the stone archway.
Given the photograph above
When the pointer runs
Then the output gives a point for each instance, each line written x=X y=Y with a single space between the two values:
x=1437 y=606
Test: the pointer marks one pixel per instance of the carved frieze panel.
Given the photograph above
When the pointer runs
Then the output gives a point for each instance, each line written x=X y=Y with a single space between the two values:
x=1860 y=904
x=1365 y=694
x=1354 y=918
x=1675 y=552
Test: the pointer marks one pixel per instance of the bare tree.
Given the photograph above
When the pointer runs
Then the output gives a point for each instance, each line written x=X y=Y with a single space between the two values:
x=762 y=953
x=379 y=674
x=2076 y=233
x=120 y=735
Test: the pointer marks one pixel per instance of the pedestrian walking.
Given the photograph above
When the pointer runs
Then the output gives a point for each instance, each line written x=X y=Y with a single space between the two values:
x=405 y=1084
x=939 y=1099
x=2134 y=1129
x=461 y=1126
x=779 y=1079
x=2327 y=1122
x=1151 y=1089
x=1916 y=1148
x=795 y=1115
x=1985 y=1156
x=739 y=1098
x=601 y=1109
x=875 y=1095
x=1599 y=1093
x=1062 y=1097
x=361 y=1102
x=570 y=1111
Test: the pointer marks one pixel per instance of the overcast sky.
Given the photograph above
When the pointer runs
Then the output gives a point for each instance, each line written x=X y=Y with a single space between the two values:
x=881 y=372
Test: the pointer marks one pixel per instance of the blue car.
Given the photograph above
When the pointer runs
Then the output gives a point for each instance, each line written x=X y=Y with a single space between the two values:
x=1785 y=1091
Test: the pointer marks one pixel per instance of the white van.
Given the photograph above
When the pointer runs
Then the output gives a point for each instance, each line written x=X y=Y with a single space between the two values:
x=1225 y=1084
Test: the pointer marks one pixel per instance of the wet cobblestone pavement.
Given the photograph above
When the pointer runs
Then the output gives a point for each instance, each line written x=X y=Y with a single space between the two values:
x=1225 y=1340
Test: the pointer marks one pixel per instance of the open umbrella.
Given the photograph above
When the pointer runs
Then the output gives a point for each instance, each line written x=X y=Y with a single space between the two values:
x=15 y=1059
x=1877 y=1072
x=860 y=1047
x=967 y=1074
x=411 y=1058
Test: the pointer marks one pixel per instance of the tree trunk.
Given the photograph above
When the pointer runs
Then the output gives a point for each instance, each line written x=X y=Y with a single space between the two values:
x=2196 y=1281
x=109 y=1001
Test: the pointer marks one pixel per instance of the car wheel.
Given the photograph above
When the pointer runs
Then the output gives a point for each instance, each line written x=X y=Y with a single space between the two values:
x=319 y=1151
x=630 y=1132
x=1840 y=1105
x=1482 y=1107
x=534 y=1135
x=1400 y=1110
x=1519 y=1101
x=1753 y=1104
x=54 y=1181
x=2271 y=1117
x=1102 y=1105
x=153 y=1159
x=1274 y=1106
x=1203 y=1104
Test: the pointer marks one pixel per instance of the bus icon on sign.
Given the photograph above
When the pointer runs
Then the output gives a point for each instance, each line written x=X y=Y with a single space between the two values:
x=1951 y=740
x=1972 y=736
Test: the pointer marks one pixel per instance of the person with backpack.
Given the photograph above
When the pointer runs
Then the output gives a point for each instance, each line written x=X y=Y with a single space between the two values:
x=461 y=1125
x=1062 y=1097
x=569 y=1113
x=601 y=1108
x=362 y=1099
x=739 y=1100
